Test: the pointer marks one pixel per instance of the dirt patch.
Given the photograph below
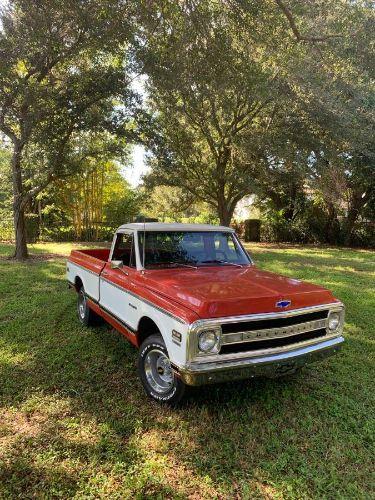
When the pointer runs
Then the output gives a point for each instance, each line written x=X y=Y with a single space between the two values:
x=15 y=426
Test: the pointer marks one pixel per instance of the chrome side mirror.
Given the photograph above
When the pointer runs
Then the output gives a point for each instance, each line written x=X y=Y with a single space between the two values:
x=117 y=264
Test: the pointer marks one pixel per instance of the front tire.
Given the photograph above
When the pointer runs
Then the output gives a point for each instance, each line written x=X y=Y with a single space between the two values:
x=85 y=315
x=156 y=374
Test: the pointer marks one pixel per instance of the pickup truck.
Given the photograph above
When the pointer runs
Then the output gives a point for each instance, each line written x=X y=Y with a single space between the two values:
x=191 y=299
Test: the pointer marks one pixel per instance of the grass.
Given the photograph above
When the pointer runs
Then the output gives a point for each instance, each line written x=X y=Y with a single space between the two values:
x=74 y=421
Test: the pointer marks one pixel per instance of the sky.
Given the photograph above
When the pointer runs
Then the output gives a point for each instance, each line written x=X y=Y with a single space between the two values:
x=134 y=172
x=2 y=5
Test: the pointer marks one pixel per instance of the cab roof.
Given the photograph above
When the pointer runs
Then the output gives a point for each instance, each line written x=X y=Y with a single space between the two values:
x=160 y=226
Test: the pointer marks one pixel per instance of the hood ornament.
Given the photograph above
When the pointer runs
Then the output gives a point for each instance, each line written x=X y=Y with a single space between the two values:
x=283 y=303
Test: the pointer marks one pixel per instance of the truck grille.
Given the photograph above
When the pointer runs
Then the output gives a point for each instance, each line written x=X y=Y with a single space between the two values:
x=272 y=343
x=272 y=333
x=273 y=323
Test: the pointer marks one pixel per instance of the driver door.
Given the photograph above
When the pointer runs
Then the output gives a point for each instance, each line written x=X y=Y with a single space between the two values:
x=115 y=284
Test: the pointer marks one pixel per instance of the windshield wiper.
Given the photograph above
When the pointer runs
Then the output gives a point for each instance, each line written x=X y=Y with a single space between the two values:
x=185 y=265
x=216 y=261
x=182 y=264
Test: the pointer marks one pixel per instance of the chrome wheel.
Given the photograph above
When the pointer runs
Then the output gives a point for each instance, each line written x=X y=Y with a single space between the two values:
x=158 y=371
x=82 y=305
x=157 y=376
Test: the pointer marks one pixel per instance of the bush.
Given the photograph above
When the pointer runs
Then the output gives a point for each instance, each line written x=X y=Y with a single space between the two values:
x=364 y=235
x=68 y=233
x=6 y=228
x=252 y=229
x=122 y=209
x=275 y=228
x=312 y=225
x=203 y=218
x=32 y=227
x=239 y=227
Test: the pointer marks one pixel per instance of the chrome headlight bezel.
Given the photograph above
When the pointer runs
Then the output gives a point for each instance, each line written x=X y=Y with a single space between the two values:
x=335 y=320
x=208 y=341
x=195 y=341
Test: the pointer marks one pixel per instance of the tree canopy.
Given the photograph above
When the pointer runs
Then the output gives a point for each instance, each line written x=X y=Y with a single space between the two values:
x=62 y=65
x=271 y=98
x=240 y=91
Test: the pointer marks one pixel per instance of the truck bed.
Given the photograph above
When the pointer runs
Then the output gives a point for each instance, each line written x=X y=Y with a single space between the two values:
x=96 y=253
x=92 y=258
x=91 y=262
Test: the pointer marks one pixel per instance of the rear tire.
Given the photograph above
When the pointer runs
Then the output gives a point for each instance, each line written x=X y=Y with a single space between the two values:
x=156 y=374
x=85 y=315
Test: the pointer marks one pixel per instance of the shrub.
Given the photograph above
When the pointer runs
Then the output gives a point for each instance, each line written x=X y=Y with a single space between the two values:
x=68 y=233
x=32 y=227
x=364 y=235
x=6 y=228
x=275 y=228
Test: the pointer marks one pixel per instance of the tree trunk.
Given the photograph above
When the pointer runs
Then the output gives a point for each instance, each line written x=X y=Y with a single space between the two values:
x=224 y=212
x=332 y=228
x=349 y=226
x=21 y=252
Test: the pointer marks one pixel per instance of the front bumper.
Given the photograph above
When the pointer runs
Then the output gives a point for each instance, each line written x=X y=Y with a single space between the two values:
x=272 y=365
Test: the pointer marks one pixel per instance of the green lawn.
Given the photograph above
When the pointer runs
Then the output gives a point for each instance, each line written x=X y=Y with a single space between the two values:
x=74 y=421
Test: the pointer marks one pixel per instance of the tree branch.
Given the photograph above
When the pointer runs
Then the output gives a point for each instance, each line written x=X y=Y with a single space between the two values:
x=299 y=37
x=7 y=131
x=203 y=129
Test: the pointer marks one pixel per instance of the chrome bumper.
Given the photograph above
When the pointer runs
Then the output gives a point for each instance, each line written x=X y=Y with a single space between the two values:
x=272 y=365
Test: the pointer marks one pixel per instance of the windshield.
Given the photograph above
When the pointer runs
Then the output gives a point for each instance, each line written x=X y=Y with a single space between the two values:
x=194 y=248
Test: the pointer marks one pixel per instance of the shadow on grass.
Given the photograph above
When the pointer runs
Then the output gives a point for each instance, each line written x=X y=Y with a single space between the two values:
x=293 y=437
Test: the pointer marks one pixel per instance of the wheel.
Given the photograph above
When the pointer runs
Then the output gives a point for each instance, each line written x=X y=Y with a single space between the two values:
x=85 y=315
x=156 y=374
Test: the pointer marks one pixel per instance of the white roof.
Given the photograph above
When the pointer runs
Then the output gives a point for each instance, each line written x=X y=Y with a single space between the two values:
x=159 y=226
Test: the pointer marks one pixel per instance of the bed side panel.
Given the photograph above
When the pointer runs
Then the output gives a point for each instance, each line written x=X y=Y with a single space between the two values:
x=87 y=268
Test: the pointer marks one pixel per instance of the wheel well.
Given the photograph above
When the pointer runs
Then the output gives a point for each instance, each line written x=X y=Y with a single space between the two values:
x=146 y=327
x=78 y=283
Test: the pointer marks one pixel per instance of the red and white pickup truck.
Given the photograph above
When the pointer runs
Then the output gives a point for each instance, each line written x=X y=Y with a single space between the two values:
x=199 y=310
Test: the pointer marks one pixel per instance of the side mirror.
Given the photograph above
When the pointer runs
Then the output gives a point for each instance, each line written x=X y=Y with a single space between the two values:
x=117 y=264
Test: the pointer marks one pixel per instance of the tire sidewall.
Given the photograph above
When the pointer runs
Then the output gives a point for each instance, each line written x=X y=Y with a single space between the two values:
x=178 y=388
x=84 y=320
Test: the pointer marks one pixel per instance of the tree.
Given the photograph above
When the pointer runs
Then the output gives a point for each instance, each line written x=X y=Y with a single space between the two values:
x=207 y=90
x=223 y=76
x=336 y=108
x=174 y=204
x=81 y=197
x=61 y=66
x=92 y=201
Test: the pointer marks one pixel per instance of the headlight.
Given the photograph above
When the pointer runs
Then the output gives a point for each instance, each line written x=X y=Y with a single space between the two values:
x=334 y=320
x=208 y=341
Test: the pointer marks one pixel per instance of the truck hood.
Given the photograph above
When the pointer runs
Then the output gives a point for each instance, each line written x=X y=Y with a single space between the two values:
x=213 y=292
